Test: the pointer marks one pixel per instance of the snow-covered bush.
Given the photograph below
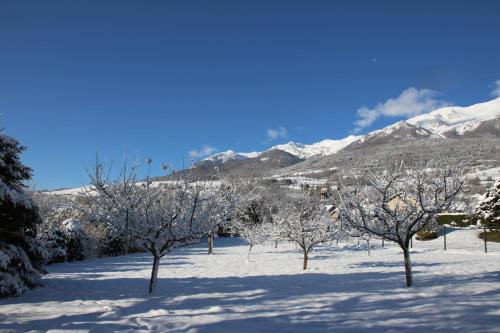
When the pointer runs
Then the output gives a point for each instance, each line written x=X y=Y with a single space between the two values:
x=54 y=241
x=61 y=232
x=21 y=255
x=74 y=238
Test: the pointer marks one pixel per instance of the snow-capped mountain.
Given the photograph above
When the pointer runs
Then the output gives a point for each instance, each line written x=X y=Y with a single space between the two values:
x=457 y=120
x=230 y=155
x=325 y=147
x=439 y=124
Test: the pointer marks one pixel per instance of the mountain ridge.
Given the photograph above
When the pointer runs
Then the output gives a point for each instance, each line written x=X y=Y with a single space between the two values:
x=442 y=123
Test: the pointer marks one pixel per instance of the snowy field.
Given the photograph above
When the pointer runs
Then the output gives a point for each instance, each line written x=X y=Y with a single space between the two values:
x=343 y=290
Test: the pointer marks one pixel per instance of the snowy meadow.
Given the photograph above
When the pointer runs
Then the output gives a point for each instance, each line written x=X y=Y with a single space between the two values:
x=343 y=290
x=130 y=254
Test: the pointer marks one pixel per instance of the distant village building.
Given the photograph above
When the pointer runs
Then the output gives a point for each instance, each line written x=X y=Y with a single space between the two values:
x=333 y=211
x=399 y=202
x=324 y=193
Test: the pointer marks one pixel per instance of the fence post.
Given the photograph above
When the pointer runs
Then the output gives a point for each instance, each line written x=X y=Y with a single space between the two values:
x=485 y=241
x=444 y=234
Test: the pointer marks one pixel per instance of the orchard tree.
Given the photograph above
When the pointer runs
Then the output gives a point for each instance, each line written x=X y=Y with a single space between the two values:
x=21 y=256
x=114 y=204
x=159 y=217
x=395 y=205
x=237 y=206
x=248 y=214
x=172 y=217
x=303 y=219
x=218 y=207
x=252 y=223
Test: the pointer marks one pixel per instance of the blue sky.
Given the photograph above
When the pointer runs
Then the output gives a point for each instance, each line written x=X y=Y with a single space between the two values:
x=166 y=78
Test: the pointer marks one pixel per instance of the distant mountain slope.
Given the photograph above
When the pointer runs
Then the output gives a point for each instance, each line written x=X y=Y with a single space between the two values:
x=265 y=162
x=448 y=122
x=471 y=153
x=325 y=147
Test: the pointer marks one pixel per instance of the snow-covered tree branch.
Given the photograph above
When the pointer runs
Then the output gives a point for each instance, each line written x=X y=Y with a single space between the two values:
x=396 y=205
x=303 y=219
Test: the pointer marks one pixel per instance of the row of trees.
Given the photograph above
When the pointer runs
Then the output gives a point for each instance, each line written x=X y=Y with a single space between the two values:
x=162 y=216
x=393 y=205
x=130 y=214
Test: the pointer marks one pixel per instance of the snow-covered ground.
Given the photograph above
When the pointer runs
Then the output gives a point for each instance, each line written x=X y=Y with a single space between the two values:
x=343 y=290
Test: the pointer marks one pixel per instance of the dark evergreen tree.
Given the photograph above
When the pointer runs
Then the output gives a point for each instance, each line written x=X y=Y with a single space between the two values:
x=488 y=209
x=21 y=256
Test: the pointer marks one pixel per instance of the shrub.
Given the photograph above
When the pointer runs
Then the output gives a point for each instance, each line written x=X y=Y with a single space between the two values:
x=54 y=242
x=74 y=236
x=426 y=235
x=113 y=243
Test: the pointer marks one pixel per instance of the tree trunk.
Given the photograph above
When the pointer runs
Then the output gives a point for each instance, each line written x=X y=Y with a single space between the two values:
x=210 y=243
x=409 y=275
x=249 y=250
x=154 y=273
x=382 y=242
x=304 y=266
x=275 y=244
x=368 y=244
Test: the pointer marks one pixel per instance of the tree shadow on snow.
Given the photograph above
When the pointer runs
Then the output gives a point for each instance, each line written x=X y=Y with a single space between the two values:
x=292 y=303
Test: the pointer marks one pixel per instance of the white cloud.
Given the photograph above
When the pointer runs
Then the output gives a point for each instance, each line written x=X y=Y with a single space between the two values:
x=410 y=103
x=275 y=133
x=203 y=152
x=496 y=89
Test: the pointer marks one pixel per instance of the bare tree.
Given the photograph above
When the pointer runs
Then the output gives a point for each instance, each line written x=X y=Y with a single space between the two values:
x=115 y=203
x=158 y=216
x=396 y=205
x=252 y=224
x=171 y=218
x=303 y=219
x=242 y=208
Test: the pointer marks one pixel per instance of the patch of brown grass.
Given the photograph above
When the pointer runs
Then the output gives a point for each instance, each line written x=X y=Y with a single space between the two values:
x=491 y=236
